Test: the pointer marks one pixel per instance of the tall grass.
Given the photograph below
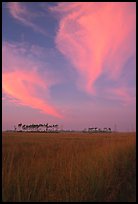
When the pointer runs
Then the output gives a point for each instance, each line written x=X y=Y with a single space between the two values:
x=68 y=167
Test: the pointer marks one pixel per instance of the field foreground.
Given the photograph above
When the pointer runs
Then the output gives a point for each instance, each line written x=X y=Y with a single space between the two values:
x=60 y=167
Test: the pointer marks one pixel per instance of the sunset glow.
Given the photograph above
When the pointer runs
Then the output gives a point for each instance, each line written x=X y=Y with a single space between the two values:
x=70 y=63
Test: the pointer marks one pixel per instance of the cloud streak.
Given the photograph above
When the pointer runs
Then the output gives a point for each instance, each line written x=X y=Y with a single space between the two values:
x=97 y=38
x=21 y=80
x=19 y=11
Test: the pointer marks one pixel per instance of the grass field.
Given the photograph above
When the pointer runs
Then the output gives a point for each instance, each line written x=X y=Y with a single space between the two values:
x=59 y=167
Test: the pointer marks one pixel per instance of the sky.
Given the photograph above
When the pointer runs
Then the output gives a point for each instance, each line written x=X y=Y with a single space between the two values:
x=69 y=63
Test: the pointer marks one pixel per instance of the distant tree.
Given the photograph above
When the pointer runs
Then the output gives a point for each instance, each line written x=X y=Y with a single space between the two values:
x=53 y=127
x=24 y=127
x=56 y=126
x=40 y=125
x=46 y=125
x=50 y=127
x=93 y=129
x=96 y=129
x=105 y=129
x=90 y=129
x=27 y=127
x=37 y=127
x=99 y=130
x=32 y=127
x=19 y=126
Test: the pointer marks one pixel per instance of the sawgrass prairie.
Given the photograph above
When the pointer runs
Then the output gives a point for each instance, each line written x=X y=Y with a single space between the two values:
x=44 y=167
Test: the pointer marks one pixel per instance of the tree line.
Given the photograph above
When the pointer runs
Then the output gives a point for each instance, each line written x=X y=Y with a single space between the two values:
x=36 y=127
x=99 y=129
x=53 y=128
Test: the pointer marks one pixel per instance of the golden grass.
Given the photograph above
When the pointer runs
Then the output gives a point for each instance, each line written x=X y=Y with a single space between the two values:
x=68 y=167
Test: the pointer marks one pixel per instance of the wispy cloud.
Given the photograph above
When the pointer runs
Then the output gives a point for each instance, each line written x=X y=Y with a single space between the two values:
x=22 y=81
x=96 y=38
x=126 y=96
x=21 y=13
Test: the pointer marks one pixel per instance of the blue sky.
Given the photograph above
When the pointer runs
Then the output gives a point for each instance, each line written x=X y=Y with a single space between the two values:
x=70 y=63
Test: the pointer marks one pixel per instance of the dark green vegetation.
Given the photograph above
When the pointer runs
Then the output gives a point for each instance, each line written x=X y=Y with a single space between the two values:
x=69 y=167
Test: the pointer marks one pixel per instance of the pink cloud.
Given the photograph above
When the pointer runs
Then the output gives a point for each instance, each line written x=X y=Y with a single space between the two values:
x=14 y=84
x=23 y=56
x=22 y=82
x=96 y=38
x=125 y=95
x=19 y=11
